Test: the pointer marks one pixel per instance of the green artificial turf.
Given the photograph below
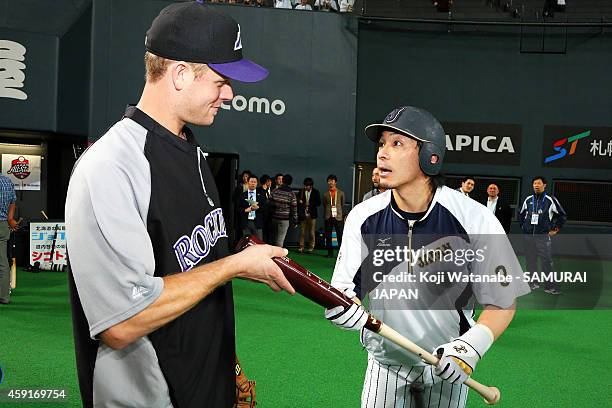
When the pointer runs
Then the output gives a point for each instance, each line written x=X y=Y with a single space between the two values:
x=547 y=358
x=36 y=347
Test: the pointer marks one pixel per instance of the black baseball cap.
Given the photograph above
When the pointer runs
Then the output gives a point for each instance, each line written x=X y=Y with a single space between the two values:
x=193 y=32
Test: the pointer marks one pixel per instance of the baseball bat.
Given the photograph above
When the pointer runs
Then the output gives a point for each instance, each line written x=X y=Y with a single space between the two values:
x=53 y=243
x=322 y=293
x=14 y=261
x=13 y=273
x=53 y=266
x=490 y=394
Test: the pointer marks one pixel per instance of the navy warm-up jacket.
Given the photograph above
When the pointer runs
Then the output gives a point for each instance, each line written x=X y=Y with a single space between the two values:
x=552 y=214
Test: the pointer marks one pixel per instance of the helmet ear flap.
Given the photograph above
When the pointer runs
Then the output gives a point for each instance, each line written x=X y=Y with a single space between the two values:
x=430 y=158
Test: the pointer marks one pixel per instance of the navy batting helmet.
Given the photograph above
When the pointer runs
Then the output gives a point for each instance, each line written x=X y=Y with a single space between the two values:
x=420 y=125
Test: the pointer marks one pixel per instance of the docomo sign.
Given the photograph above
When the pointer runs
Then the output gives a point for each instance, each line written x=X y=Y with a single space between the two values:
x=256 y=104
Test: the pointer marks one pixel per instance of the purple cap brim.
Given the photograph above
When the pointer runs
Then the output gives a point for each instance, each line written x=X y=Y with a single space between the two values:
x=243 y=70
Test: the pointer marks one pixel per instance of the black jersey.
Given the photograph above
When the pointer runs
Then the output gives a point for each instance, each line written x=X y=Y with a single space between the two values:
x=142 y=204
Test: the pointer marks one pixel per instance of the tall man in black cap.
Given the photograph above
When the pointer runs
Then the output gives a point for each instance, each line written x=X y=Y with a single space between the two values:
x=150 y=282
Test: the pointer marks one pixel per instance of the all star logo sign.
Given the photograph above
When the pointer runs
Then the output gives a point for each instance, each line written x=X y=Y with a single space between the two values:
x=20 y=168
x=238 y=43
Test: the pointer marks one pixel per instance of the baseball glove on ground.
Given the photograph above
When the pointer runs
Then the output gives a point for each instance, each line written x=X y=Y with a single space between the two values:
x=245 y=389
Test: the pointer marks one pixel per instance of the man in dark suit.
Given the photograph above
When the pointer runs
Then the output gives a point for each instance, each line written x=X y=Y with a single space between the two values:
x=308 y=201
x=241 y=187
x=265 y=188
x=498 y=207
x=252 y=204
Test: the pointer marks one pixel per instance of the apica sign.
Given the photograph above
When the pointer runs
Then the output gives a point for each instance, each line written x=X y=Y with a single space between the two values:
x=483 y=143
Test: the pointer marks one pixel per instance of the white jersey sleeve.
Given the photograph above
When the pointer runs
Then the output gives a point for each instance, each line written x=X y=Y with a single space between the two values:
x=497 y=257
x=354 y=250
x=499 y=262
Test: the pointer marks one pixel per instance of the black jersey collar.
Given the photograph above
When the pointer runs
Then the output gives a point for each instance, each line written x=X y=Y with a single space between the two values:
x=144 y=120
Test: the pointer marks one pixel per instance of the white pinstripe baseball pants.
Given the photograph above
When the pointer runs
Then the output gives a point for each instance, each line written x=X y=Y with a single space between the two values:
x=396 y=386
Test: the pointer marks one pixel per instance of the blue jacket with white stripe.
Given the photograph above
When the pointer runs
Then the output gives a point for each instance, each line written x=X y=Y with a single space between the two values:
x=551 y=214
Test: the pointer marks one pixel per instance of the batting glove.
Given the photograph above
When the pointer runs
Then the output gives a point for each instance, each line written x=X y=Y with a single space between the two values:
x=458 y=358
x=353 y=317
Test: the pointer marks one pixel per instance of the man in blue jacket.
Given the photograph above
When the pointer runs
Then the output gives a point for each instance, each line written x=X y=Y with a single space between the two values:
x=541 y=217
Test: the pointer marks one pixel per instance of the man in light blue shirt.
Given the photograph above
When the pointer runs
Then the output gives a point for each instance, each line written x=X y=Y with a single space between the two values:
x=7 y=224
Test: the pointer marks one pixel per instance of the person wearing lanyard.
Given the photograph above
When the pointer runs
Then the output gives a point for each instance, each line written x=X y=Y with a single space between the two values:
x=333 y=200
x=309 y=200
x=541 y=217
x=252 y=203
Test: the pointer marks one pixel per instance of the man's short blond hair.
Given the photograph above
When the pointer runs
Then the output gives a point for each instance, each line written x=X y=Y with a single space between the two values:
x=156 y=66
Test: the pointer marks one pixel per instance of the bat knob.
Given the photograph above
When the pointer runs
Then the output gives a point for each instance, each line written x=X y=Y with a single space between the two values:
x=496 y=396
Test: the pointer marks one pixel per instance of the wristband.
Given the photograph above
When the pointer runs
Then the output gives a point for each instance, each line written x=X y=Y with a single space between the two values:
x=480 y=337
